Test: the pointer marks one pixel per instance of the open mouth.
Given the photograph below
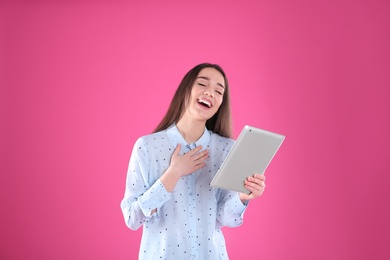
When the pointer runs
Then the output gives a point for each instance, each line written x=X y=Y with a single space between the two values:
x=204 y=103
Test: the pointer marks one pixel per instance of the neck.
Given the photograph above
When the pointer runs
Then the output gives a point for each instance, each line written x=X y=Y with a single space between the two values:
x=191 y=130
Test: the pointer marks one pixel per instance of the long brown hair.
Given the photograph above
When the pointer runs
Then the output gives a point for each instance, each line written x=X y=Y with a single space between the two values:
x=220 y=123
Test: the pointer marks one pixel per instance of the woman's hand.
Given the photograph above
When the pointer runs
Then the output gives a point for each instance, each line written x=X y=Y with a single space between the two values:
x=189 y=162
x=255 y=185
x=182 y=165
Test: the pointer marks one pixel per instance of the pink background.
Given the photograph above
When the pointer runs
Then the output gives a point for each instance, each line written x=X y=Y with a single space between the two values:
x=80 y=81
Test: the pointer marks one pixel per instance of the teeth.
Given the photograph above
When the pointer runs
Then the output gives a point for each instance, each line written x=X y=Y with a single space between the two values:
x=205 y=102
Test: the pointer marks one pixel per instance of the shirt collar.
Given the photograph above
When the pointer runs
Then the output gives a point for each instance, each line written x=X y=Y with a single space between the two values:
x=176 y=138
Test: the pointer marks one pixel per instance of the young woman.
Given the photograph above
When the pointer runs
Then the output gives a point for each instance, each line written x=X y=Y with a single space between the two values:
x=168 y=188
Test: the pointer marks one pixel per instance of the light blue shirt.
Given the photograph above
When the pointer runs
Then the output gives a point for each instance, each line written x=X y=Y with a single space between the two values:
x=188 y=221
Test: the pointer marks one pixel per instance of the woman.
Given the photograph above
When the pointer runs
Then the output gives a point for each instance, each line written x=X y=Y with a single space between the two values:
x=168 y=182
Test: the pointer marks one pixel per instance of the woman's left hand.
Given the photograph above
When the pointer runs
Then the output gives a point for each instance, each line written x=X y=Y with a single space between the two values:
x=255 y=185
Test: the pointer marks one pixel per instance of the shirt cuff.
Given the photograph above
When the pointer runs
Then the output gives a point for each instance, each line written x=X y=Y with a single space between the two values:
x=237 y=204
x=154 y=198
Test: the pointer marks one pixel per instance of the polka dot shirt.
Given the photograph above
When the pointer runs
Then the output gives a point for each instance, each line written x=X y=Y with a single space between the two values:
x=188 y=221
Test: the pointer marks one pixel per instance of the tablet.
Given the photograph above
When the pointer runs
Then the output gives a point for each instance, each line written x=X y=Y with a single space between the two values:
x=251 y=153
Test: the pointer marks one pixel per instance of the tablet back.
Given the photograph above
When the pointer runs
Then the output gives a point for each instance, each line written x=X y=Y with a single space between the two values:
x=251 y=153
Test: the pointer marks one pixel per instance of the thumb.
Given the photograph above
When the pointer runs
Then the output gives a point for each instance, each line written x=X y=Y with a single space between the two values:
x=177 y=150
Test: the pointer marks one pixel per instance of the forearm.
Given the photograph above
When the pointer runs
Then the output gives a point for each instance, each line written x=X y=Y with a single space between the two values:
x=133 y=215
x=230 y=211
x=139 y=208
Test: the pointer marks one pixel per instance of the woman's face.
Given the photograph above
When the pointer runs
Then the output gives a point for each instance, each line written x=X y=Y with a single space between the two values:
x=206 y=94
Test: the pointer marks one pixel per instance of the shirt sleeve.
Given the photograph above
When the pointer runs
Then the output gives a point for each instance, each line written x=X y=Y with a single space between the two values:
x=141 y=196
x=230 y=209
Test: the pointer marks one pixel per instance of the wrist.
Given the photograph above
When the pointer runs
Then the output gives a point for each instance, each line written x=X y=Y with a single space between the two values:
x=243 y=198
x=172 y=173
x=170 y=178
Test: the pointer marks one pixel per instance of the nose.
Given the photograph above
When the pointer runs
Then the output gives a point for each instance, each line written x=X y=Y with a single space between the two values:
x=208 y=92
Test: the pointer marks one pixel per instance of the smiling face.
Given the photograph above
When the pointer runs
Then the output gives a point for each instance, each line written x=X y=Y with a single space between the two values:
x=206 y=95
x=185 y=104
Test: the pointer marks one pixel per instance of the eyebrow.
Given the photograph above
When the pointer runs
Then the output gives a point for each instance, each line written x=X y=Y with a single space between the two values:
x=207 y=78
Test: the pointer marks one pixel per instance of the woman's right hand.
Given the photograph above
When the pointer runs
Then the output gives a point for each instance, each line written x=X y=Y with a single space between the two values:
x=182 y=165
x=189 y=162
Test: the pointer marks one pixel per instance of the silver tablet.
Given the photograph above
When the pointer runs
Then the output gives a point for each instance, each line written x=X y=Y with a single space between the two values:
x=251 y=153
